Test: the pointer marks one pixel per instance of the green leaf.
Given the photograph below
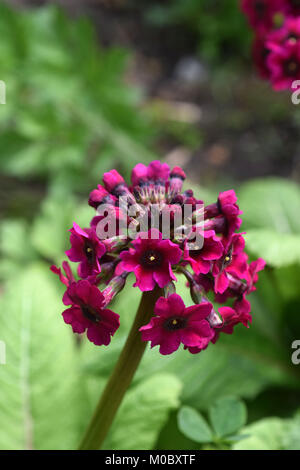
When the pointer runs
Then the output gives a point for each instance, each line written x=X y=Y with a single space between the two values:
x=242 y=364
x=292 y=436
x=40 y=398
x=279 y=250
x=55 y=95
x=269 y=217
x=272 y=204
x=50 y=234
x=143 y=413
x=14 y=241
x=267 y=434
x=236 y=438
x=193 y=425
x=228 y=415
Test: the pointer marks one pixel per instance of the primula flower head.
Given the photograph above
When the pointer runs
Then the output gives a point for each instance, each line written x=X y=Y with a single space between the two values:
x=155 y=231
x=260 y=13
x=284 y=63
x=276 y=47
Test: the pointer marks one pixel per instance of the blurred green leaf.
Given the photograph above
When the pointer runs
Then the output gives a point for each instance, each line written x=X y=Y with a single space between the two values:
x=241 y=364
x=279 y=250
x=267 y=434
x=68 y=106
x=40 y=388
x=59 y=210
x=228 y=415
x=291 y=439
x=15 y=247
x=143 y=413
x=193 y=425
x=201 y=19
x=269 y=217
x=271 y=204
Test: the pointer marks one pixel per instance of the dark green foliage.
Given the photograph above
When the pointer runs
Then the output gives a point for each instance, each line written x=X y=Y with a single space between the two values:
x=219 y=26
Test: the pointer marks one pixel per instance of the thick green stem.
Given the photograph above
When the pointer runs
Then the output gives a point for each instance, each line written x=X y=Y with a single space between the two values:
x=121 y=376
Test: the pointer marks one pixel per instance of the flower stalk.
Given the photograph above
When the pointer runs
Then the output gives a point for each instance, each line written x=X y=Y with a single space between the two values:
x=121 y=376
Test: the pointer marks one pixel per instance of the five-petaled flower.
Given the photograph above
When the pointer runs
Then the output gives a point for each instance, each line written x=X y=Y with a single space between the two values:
x=201 y=258
x=88 y=312
x=87 y=249
x=174 y=323
x=151 y=260
x=233 y=262
x=284 y=64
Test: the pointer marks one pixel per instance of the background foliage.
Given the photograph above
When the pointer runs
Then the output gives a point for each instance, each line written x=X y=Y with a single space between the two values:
x=73 y=112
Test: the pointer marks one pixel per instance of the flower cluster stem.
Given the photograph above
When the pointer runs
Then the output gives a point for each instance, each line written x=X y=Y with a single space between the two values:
x=121 y=376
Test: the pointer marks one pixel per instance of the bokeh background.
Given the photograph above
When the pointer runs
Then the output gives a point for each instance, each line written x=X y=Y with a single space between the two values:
x=99 y=84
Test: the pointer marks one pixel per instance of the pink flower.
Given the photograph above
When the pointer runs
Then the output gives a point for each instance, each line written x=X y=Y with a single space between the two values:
x=87 y=249
x=111 y=219
x=218 y=267
x=158 y=171
x=227 y=202
x=177 y=178
x=289 y=31
x=174 y=324
x=239 y=289
x=150 y=260
x=252 y=276
x=154 y=172
x=87 y=312
x=101 y=196
x=226 y=214
x=233 y=262
x=260 y=13
x=231 y=318
x=201 y=259
x=206 y=282
x=290 y=7
x=68 y=278
x=112 y=179
x=242 y=306
x=260 y=52
x=139 y=174
x=284 y=64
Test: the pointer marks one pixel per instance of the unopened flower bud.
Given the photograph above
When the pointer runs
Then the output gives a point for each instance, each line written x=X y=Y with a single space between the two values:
x=114 y=287
x=177 y=178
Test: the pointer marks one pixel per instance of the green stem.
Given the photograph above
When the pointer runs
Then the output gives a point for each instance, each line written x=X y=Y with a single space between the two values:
x=121 y=376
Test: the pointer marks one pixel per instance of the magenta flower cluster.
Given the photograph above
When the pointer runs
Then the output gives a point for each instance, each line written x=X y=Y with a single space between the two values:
x=276 y=47
x=217 y=272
